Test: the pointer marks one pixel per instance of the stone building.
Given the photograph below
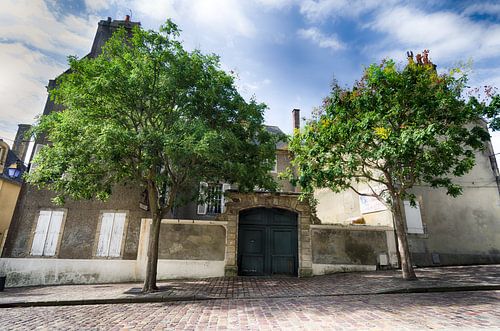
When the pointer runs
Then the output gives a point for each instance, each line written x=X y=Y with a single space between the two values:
x=234 y=233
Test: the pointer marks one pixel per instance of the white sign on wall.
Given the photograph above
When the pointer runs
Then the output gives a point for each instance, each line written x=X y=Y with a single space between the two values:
x=370 y=205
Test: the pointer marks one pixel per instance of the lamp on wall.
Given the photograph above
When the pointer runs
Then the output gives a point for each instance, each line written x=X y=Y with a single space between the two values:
x=14 y=170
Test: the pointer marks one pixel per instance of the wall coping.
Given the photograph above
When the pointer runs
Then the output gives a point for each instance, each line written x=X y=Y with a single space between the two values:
x=352 y=227
x=186 y=221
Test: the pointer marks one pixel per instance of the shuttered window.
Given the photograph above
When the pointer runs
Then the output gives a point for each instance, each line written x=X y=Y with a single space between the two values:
x=47 y=232
x=111 y=234
x=413 y=218
x=212 y=196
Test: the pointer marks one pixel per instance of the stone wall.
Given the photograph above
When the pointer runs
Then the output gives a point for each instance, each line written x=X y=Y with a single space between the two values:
x=80 y=228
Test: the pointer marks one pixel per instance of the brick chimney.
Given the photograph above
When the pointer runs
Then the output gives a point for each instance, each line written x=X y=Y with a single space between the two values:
x=296 y=118
x=20 y=146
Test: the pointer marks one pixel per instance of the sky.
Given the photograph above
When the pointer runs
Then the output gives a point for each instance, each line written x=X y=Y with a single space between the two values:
x=285 y=52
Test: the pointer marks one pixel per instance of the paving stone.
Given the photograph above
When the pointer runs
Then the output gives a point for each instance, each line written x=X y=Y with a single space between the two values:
x=264 y=287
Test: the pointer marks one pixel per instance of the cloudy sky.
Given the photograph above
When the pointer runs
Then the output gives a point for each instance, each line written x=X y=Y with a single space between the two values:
x=285 y=52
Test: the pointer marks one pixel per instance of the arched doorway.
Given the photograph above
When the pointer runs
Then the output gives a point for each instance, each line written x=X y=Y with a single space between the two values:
x=267 y=242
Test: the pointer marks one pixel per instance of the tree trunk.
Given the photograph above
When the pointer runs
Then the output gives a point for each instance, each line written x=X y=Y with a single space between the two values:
x=154 y=235
x=404 y=250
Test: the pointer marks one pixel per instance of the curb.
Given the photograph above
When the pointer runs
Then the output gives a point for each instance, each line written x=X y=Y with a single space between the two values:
x=86 y=302
x=442 y=289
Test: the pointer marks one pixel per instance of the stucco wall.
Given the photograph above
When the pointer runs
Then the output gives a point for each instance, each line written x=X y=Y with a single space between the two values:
x=30 y=272
x=344 y=207
x=192 y=242
x=283 y=162
x=9 y=193
x=462 y=230
x=348 y=245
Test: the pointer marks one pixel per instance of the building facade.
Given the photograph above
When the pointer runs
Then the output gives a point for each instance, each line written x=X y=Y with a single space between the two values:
x=233 y=233
x=11 y=172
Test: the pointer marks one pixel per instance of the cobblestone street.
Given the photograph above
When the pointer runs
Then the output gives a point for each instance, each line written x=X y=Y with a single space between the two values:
x=453 y=310
x=355 y=283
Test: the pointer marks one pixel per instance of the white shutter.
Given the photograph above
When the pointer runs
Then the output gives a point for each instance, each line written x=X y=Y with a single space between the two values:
x=105 y=234
x=42 y=227
x=53 y=233
x=115 y=245
x=225 y=187
x=202 y=208
x=413 y=218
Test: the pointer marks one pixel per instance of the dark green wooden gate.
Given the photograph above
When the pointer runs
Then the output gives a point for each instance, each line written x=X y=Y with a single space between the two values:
x=267 y=242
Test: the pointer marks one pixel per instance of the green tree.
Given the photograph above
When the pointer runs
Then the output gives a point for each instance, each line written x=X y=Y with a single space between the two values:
x=147 y=111
x=395 y=128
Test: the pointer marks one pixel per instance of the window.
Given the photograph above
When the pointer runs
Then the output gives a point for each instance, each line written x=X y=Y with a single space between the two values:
x=38 y=148
x=212 y=196
x=413 y=218
x=275 y=166
x=111 y=234
x=47 y=233
x=3 y=155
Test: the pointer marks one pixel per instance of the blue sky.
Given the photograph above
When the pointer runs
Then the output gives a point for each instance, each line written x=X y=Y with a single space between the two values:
x=285 y=52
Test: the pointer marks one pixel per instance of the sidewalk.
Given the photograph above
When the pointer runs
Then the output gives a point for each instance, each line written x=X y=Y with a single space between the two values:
x=485 y=277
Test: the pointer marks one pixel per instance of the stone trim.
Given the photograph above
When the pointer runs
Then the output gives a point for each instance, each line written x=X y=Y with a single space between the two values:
x=195 y=222
x=237 y=202
x=352 y=227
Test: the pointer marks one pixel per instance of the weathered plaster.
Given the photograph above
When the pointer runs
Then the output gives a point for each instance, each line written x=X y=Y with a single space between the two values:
x=353 y=245
x=465 y=229
x=325 y=269
x=344 y=207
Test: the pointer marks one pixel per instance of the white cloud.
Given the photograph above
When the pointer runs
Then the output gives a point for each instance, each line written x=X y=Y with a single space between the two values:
x=22 y=85
x=316 y=10
x=276 y=4
x=483 y=8
x=32 y=23
x=321 y=39
x=32 y=37
x=449 y=36
x=225 y=18
x=97 y=5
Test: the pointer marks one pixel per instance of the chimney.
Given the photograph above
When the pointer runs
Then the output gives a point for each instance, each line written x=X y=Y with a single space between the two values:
x=20 y=146
x=296 y=118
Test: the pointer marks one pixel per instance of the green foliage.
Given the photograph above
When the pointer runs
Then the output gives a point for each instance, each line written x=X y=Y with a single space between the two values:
x=148 y=111
x=396 y=127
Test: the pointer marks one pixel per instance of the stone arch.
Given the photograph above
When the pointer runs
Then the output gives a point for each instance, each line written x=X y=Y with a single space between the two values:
x=238 y=202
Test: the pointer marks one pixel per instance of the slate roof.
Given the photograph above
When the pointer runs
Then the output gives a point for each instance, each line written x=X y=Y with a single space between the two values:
x=276 y=130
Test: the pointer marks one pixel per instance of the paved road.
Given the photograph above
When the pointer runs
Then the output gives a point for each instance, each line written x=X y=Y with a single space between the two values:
x=263 y=287
x=453 y=310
